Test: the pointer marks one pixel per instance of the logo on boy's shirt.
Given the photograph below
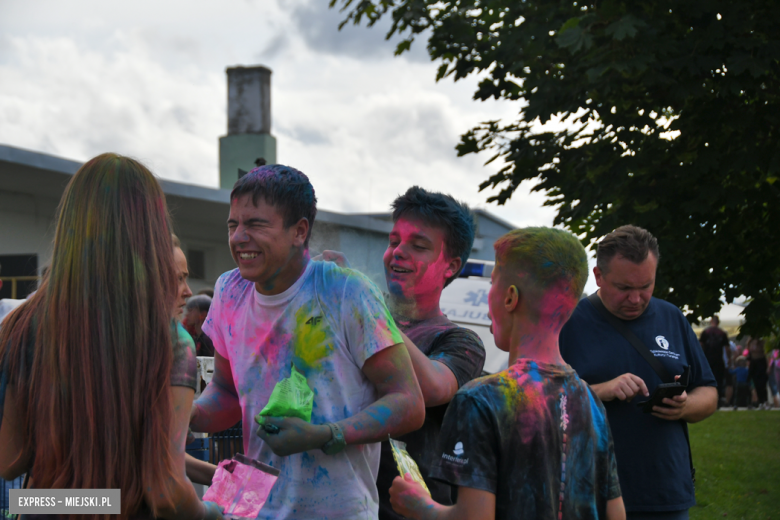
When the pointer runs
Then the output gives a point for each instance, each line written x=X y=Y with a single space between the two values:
x=458 y=451
x=314 y=321
x=564 y=414
x=662 y=342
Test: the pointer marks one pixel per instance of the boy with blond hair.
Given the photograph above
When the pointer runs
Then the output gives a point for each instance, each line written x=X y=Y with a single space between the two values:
x=531 y=441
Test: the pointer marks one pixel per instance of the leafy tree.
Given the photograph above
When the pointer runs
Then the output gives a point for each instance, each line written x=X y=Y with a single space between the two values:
x=672 y=113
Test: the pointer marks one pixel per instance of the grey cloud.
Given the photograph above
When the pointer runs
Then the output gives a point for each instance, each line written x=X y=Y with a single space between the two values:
x=274 y=48
x=421 y=129
x=307 y=136
x=319 y=27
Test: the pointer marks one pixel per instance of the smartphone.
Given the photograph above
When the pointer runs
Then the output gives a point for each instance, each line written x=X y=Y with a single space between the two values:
x=665 y=390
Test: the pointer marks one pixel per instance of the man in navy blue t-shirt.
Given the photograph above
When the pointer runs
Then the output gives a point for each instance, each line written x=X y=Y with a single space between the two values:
x=651 y=449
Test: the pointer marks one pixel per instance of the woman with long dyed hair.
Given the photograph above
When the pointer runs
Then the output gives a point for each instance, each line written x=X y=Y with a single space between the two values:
x=98 y=383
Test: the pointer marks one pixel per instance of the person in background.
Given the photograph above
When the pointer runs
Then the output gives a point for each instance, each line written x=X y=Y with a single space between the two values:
x=731 y=360
x=773 y=372
x=90 y=406
x=626 y=262
x=758 y=370
x=531 y=442
x=198 y=471
x=207 y=292
x=742 y=383
x=197 y=310
x=183 y=290
x=715 y=343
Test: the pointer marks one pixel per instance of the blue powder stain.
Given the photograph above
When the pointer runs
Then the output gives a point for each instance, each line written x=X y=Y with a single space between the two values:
x=533 y=371
x=306 y=460
x=599 y=425
x=381 y=414
x=320 y=474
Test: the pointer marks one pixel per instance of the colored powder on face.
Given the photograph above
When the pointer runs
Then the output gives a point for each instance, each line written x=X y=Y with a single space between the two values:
x=427 y=276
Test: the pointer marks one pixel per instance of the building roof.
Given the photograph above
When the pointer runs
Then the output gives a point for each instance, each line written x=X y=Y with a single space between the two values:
x=40 y=173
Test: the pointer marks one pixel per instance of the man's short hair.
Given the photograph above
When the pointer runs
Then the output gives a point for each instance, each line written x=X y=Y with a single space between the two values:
x=631 y=242
x=548 y=255
x=283 y=187
x=200 y=302
x=444 y=212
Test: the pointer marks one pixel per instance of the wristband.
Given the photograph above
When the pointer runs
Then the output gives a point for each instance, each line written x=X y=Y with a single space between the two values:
x=337 y=442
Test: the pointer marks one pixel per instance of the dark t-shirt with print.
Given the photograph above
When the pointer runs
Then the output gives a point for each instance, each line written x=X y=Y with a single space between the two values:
x=462 y=352
x=653 y=457
x=535 y=436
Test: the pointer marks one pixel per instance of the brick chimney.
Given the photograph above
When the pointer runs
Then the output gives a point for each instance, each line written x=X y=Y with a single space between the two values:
x=249 y=124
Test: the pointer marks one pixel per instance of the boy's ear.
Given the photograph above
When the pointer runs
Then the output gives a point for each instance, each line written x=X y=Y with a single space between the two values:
x=301 y=230
x=511 y=298
x=453 y=267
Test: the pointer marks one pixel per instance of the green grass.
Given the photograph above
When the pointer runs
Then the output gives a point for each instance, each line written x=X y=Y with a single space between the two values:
x=737 y=460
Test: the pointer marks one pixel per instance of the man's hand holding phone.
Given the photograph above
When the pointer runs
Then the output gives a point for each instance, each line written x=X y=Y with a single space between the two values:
x=673 y=407
x=624 y=387
x=669 y=399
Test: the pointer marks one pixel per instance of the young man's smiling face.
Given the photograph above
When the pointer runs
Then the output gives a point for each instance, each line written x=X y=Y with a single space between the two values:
x=416 y=260
x=263 y=248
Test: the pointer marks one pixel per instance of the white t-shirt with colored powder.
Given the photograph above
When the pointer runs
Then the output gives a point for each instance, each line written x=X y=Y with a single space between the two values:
x=327 y=324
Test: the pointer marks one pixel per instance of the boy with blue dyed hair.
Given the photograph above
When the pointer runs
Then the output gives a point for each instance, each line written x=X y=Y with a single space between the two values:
x=531 y=441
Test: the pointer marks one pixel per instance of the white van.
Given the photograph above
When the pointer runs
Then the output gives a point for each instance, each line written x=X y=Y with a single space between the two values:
x=465 y=302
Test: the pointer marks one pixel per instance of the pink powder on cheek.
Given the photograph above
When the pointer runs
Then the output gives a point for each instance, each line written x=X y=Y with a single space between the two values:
x=431 y=275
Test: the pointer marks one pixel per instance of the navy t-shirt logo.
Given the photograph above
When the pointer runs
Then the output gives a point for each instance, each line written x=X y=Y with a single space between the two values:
x=662 y=342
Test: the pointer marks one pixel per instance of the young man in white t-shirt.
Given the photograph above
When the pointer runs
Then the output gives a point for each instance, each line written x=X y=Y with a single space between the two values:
x=279 y=309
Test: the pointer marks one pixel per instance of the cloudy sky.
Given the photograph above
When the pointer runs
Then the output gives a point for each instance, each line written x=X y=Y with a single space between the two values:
x=147 y=79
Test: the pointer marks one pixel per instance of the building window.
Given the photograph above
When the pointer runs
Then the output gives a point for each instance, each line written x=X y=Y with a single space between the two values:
x=196 y=262
x=19 y=274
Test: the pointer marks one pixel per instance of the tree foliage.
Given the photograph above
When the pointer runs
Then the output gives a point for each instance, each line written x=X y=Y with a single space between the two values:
x=672 y=116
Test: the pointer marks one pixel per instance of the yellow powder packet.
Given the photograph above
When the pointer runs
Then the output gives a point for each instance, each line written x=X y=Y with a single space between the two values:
x=406 y=463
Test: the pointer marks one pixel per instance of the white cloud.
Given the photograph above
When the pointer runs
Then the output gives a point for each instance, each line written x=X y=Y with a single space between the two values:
x=62 y=98
x=147 y=79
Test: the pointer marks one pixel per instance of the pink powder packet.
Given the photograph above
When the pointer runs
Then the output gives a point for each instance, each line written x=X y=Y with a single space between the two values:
x=241 y=486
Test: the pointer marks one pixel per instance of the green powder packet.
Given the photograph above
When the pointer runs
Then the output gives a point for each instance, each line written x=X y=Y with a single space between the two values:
x=291 y=397
x=406 y=463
